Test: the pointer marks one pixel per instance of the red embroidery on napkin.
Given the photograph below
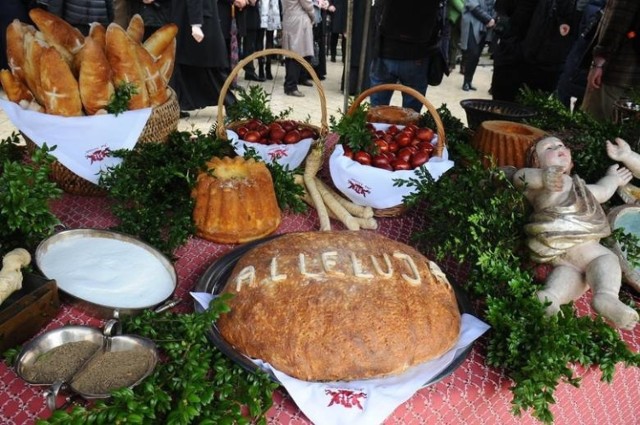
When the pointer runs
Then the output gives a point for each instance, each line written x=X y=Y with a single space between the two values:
x=277 y=153
x=346 y=398
x=359 y=188
x=98 y=154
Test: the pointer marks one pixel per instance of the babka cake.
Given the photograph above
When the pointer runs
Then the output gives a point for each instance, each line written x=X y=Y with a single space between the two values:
x=339 y=306
x=507 y=142
x=235 y=201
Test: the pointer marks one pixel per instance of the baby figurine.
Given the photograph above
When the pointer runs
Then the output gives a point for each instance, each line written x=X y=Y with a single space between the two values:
x=567 y=224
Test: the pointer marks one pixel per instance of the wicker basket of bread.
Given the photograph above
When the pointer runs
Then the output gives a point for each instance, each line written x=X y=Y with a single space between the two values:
x=281 y=140
x=72 y=83
x=386 y=152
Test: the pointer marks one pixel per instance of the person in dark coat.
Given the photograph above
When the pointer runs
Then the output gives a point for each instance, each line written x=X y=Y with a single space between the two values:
x=338 y=28
x=615 y=63
x=154 y=13
x=202 y=62
x=530 y=52
x=82 y=13
x=573 y=79
x=407 y=35
x=251 y=16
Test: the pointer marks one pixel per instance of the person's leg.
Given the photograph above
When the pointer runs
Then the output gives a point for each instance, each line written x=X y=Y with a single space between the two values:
x=249 y=48
x=268 y=45
x=292 y=76
x=412 y=73
x=380 y=74
x=471 y=59
x=333 y=47
x=505 y=82
x=260 y=47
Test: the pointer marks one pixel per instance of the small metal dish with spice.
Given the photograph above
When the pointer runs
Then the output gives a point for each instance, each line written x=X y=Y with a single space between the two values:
x=88 y=362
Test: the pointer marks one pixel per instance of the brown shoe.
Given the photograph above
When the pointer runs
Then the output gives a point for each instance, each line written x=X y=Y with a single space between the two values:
x=296 y=93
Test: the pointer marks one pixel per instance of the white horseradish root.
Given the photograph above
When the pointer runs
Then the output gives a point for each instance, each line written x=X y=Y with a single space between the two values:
x=11 y=273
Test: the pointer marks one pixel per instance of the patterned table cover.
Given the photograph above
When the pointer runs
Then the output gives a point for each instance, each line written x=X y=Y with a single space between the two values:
x=473 y=394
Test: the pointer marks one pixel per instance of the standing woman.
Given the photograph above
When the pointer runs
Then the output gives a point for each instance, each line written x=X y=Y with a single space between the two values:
x=270 y=22
x=201 y=55
x=297 y=36
x=477 y=21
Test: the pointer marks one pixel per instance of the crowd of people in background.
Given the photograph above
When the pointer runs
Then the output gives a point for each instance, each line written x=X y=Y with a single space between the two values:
x=586 y=52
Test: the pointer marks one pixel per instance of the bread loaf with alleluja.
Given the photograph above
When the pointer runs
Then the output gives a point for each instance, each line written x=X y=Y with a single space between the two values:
x=339 y=306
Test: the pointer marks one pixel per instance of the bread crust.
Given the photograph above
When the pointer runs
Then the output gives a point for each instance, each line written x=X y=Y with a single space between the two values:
x=160 y=39
x=98 y=33
x=135 y=29
x=64 y=37
x=122 y=56
x=94 y=80
x=33 y=48
x=14 y=88
x=316 y=307
x=154 y=81
x=60 y=92
x=15 y=47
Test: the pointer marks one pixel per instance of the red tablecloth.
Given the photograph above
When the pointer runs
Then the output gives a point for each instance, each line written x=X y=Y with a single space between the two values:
x=473 y=394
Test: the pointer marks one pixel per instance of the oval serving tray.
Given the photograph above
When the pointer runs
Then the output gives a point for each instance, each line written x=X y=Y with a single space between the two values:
x=217 y=274
x=107 y=273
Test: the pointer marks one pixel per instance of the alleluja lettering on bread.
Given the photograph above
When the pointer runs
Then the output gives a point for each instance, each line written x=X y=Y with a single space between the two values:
x=91 y=67
x=339 y=306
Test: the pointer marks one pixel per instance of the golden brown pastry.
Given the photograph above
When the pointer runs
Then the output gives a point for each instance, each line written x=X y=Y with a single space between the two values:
x=33 y=48
x=15 y=46
x=135 y=29
x=160 y=39
x=14 y=88
x=154 y=81
x=94 y=79
x=98 y=32
x=66 y=39
x=122 y=56
x=339 y=305
x=59 y=87
x=166 y=61
x=235 y=201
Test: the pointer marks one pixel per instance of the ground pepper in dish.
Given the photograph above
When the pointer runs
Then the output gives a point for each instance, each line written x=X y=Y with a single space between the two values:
x=60 y=363
x=112 y=370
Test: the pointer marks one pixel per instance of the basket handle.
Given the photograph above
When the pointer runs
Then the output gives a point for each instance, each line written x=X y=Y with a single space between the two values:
x=408 y=90
x=324 y=127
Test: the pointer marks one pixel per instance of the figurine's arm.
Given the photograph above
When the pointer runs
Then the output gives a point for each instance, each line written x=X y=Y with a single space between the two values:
x=605 y=187
x=549 y=178
x=528 y=178
x=621 y=151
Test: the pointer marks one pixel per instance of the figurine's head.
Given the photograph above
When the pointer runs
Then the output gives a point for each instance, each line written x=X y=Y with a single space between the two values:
x=549 y=151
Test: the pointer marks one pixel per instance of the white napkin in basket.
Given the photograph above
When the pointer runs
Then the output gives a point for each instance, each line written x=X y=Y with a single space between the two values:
x=286 y=155
x=374 y=187
x=366 y=402
x=81 y=142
